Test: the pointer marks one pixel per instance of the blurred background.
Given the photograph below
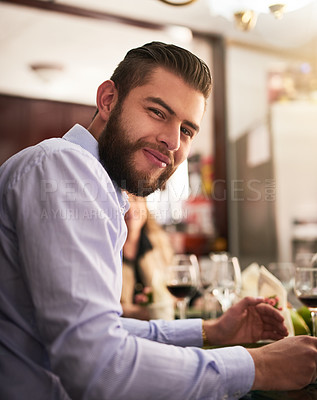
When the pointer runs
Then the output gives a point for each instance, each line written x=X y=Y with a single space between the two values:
x=249 y=186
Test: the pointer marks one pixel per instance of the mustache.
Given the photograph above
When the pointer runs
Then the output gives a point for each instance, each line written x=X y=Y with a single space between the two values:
x=140 y=144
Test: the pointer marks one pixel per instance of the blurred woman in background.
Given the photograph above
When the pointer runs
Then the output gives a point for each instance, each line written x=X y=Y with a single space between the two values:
x=146 y=253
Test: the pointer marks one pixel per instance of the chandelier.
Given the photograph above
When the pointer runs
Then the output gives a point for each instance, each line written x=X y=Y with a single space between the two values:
x=244 y=13
x=178 y=2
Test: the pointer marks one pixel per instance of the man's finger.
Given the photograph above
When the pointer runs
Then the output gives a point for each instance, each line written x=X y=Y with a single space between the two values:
x=271 y=335
x=280 y=329
x=267 y=309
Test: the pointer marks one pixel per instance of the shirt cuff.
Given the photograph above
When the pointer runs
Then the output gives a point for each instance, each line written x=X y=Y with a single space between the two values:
x=186 y=332
x=238 y=370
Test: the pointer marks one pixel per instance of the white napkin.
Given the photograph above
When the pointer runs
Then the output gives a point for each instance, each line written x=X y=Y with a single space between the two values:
x=269 y=285
x=250 y=280
x=258 y=281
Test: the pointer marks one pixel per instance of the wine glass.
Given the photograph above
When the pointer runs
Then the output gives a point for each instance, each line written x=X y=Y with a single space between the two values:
x=303 y=259
x=182 y=279
x=306 y=291
x=226 y=279
x=210 y=302
x=284 y=271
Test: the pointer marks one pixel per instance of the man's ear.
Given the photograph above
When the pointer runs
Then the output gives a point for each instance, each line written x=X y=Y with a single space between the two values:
x=107 y=96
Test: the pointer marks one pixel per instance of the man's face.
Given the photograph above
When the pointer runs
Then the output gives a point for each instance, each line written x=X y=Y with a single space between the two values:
x=149 y=135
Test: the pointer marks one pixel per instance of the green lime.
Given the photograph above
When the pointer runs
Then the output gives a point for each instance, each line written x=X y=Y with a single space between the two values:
x=300 y=326
x=305 y=314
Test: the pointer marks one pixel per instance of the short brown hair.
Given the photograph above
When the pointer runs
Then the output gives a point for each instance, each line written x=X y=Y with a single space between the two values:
x=135 y=69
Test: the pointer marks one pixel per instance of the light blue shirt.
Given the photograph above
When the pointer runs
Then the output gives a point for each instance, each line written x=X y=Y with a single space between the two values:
x=62 y=230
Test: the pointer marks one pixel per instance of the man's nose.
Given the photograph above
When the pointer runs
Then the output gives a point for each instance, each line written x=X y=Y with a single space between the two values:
x=170 y=136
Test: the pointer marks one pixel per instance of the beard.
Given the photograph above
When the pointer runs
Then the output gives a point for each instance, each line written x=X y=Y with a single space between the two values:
x=117 y=154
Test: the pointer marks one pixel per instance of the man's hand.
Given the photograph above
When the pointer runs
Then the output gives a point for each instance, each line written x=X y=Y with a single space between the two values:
x=289 y=364
x=248 y=321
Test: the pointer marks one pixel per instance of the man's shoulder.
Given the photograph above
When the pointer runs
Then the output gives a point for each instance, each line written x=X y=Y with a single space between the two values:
x=33 y=155
x=51 y=155
x=60 y=146
x=48 y=147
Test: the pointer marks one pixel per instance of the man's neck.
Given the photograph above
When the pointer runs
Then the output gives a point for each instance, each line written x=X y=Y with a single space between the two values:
x=96 y=127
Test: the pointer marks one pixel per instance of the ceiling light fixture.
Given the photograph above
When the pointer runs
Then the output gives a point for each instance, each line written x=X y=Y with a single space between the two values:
x=178 y=2
x=245 y=20
x=245 y=12
x=46 y=71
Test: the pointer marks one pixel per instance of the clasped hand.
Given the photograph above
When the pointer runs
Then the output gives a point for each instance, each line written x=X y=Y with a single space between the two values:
x=247 y=321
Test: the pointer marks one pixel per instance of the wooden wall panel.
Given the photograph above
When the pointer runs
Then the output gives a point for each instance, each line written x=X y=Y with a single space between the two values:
x=25 y=122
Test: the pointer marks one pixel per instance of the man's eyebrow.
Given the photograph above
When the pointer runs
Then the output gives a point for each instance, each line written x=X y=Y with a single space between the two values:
x=162 y=103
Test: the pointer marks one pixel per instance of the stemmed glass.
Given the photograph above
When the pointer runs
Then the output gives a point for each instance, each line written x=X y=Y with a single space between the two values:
x=304 y=259
x=225 y=275
x=306 y=289
x=206 y=282
x=182 y=280
x=285 y=272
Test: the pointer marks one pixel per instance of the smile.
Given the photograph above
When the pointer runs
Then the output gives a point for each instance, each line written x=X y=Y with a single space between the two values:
x=156 y=157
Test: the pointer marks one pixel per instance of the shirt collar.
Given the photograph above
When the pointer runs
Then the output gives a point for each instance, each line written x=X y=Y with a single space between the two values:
x=81 y=136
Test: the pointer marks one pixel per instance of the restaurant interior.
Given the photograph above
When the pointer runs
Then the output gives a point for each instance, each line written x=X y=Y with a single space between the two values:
x=247 y=193
x=248 y=187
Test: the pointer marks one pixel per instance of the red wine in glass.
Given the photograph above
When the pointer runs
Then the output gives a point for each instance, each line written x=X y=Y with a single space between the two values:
x=182 y=280
x=181 y=291
x=306 y=291
x=309 y=301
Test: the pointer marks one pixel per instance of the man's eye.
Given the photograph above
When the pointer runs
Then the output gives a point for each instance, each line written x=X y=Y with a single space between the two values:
x=157 y=112
x=186 y=132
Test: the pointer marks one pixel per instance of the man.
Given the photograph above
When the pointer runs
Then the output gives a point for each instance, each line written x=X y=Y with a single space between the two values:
x=61 y=234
